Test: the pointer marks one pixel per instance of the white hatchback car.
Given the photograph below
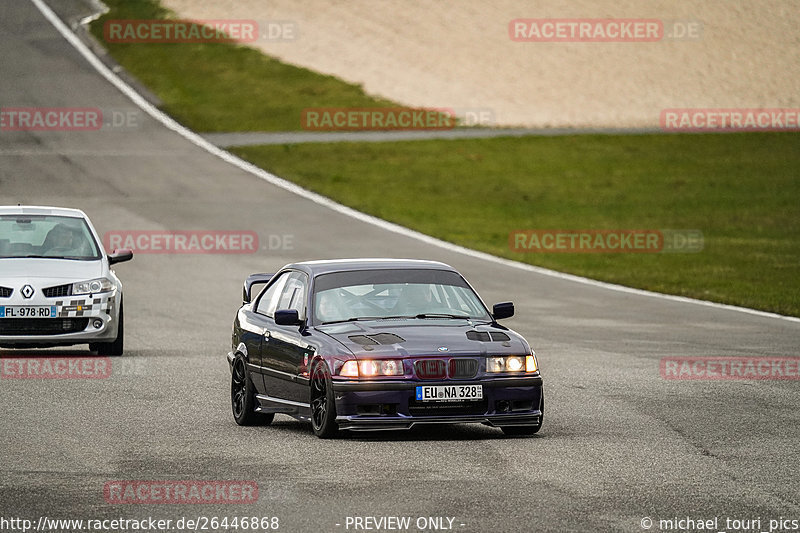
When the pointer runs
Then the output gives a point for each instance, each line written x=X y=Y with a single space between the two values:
x=56 y=285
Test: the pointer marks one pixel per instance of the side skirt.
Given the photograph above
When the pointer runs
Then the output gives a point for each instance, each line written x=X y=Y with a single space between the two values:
x=270 y=404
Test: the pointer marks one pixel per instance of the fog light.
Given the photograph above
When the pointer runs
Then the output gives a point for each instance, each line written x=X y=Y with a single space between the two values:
x=97 y=323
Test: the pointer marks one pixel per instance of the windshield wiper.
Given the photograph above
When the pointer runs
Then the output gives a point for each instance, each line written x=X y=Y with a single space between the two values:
x=351 y=319
x=440 y=315
x=424 y=315
x=39 y=256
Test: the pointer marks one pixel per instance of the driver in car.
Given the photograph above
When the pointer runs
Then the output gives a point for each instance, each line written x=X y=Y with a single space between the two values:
x=415 y=298
x=331 y=307
x=62 y=241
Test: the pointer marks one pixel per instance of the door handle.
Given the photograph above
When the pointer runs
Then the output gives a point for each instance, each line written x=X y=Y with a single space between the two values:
x=266 y=335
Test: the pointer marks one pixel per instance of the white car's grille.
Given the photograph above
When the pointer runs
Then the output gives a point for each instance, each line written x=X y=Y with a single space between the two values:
x=58 y=291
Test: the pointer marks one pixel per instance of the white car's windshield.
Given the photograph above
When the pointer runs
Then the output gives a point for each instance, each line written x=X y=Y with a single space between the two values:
x=46 y=236
x=384 y=294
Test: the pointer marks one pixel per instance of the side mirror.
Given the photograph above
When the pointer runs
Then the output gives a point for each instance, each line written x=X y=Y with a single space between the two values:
x=287 y=317
x=503 y=310
x=253 y=279
x=120 y=256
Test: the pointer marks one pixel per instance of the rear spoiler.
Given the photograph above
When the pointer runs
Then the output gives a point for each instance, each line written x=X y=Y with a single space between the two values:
x=253 y=279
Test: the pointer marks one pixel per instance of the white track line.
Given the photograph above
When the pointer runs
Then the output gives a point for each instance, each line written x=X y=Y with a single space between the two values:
x=196 y=139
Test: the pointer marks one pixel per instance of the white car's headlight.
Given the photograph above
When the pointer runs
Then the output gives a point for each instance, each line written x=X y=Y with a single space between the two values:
x=92 y=286
x=512 y=363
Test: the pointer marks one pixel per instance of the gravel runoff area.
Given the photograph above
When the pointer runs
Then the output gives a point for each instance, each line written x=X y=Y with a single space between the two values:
x=460 y=55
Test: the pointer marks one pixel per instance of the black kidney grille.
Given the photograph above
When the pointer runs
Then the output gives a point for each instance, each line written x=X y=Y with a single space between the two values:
x=5 y=292
x=463 y=368
x=58 y=291
x=430 y=369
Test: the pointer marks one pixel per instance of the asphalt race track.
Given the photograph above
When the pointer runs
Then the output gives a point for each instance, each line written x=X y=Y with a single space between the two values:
x=619 y=443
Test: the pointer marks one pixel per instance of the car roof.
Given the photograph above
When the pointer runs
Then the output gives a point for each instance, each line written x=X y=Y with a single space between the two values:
x=315 y=268
x=41 y=210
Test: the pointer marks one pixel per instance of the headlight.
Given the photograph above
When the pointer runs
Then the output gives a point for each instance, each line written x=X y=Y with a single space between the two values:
x=92 y=286
x=370 y=368
x=512 y=363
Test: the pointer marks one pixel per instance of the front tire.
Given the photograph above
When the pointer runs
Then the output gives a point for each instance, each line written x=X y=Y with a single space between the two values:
x=243 y=397
x=526 y=430
x=323 y=407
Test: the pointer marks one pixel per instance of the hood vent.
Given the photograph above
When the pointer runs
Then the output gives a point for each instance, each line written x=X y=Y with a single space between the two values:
x=487 y=336
x=377 y=339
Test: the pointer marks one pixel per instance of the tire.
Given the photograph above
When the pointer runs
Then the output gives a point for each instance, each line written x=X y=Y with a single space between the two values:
x=323 y=407
x=526 y=430
x=115 y=347
x=243 y=397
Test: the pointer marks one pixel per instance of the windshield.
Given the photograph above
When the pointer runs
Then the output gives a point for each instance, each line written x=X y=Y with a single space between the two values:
x=383 y=294
x=55 y=237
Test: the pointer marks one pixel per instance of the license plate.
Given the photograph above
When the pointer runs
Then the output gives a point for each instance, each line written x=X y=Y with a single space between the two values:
x=27 y=311
x=444 y=393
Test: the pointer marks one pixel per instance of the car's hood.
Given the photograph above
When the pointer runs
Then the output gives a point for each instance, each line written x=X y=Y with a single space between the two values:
x=54 y=269
x=413 y=338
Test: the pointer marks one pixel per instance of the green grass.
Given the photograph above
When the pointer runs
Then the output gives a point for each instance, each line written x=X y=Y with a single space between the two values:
x=222 y=87
x=741 y=190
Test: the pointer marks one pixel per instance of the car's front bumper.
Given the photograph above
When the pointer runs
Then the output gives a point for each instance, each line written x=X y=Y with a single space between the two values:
x=77 y=320
x=376 y=405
